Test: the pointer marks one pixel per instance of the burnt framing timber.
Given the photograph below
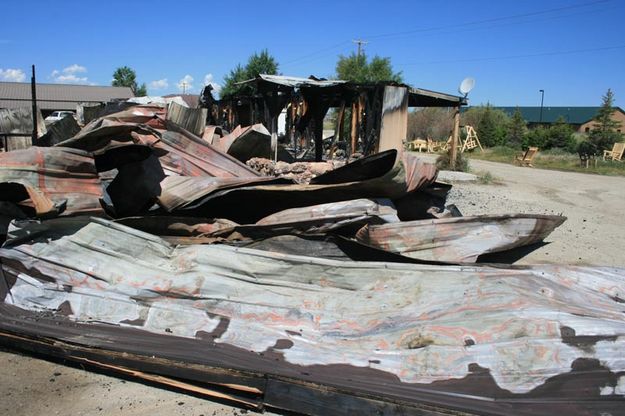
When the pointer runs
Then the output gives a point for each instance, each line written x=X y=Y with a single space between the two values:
x=376 y=116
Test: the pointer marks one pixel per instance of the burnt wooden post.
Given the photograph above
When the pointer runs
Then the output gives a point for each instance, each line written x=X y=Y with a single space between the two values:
x=354 y=126
x=453 y=151
x=33 y=89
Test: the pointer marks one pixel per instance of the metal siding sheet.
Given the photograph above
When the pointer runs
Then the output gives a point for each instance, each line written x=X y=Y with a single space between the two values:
x=60 y=174
x=58 y=96
x=460 y=239
x=395 y=330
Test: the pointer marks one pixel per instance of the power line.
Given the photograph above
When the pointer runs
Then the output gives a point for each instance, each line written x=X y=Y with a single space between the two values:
x=490 y=20
x=320 y=53
x=533 y=55
x=316 y=52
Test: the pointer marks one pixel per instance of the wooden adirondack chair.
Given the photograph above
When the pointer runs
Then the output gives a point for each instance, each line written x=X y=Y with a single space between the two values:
x=616 y=153
x=525 y=159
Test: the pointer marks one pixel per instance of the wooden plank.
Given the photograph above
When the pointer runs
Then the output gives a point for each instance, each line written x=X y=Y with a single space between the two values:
x=312 y=400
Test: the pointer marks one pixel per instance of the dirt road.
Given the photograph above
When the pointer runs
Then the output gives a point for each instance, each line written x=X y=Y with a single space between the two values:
x=593 y=235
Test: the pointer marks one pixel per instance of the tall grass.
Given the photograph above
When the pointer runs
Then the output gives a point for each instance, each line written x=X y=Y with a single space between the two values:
x=555 y=159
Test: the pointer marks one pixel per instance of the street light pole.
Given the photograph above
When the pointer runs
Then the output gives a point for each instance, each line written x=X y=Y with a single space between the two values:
x=542 y=99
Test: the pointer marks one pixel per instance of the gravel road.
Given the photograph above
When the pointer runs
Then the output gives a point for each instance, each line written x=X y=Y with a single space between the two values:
x=592 y=235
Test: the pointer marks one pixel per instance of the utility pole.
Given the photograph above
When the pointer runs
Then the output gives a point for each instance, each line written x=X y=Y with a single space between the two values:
x=184 y=87
x=542 y=98
x=359 y=42
x=33 y=90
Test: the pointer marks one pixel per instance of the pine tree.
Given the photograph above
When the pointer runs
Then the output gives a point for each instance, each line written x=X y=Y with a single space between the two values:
x=516 y=129
x=487 y=128
x=560 y=135
x=604 y=132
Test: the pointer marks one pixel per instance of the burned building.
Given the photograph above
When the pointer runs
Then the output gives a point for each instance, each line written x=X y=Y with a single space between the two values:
x=370 y=117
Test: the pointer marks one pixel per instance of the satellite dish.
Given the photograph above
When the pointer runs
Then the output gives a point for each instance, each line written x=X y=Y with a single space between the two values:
x=466 y=86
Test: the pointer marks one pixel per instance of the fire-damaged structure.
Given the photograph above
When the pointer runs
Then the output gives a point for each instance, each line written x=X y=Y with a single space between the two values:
x=138 y=247
x=376 y=113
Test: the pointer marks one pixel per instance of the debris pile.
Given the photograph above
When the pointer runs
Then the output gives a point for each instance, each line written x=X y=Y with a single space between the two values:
x=139 y=247
x=300 y=172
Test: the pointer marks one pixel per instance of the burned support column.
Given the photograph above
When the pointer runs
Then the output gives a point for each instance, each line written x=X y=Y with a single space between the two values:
x=453 y=151
x=394 y=119
x=317 y=105
x=354 y=126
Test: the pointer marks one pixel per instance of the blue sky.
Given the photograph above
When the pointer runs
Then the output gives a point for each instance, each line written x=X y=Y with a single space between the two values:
x=573 y=49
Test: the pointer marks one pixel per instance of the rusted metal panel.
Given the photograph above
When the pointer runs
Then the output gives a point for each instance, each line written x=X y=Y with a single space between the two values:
x=482 y=339
x=191 y=119
x=460 y=239
x=19 y=120
x=182 y=153
x=376 y=176
x=180 y=191
x=67 y=177
x=418 y=172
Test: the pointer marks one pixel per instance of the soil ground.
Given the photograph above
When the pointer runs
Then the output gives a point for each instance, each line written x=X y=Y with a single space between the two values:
x=592 y=235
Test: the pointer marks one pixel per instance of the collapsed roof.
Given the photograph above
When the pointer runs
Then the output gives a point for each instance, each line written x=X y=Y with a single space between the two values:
x=138 y=247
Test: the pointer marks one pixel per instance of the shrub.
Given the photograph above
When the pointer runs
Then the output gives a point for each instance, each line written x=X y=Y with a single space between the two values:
x=443 y=162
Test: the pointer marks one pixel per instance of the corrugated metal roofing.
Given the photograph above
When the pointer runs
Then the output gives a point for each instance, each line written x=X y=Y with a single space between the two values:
x=58 y=96
x=487 y=340
x=298 y=82
x=572 y=115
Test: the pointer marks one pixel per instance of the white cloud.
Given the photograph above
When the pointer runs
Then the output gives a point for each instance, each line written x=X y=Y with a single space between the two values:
x=68 y=75
x=74 y=69
x=186 y=83
x=209 y=80
x=159 y=84
x=70 y=79
x=12 y=75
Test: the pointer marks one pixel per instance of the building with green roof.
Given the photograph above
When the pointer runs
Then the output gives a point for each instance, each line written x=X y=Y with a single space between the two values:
x=581 y=118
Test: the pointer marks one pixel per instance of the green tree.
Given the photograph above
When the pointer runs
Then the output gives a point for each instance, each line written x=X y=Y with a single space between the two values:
x=491 y=128
x=430 y=122
x=537 y=137
x=560 y=135
x=125 y=76
x=261 y=63
x=258 y=63
x=358 y=68
x=517 y=128
x=605 y=130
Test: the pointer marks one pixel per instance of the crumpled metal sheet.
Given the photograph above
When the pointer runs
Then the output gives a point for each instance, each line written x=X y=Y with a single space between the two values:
x=479 y=337
x=245 y=143
x=51 y=176
x=377 y=176
x=177 y=192
x=460 y=239
x=181 y=152
x=418 y=172
x=314 y=220
x=334 y=210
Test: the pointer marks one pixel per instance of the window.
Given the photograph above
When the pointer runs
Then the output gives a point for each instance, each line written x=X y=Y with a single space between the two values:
x=587 y=129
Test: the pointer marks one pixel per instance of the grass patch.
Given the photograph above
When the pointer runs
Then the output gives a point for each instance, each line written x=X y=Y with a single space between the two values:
x=554 y=159
x=443 y=162
x=484 y=177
